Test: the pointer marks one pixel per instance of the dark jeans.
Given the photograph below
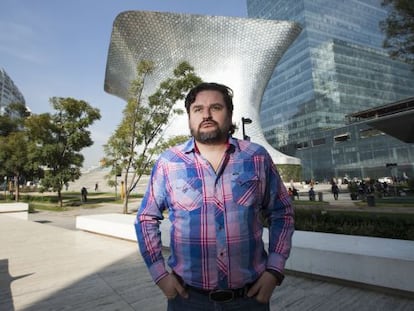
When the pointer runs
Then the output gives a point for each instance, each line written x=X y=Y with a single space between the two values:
x=201 y=302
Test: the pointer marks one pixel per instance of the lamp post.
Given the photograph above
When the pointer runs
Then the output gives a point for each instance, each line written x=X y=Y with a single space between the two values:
x=245 y=121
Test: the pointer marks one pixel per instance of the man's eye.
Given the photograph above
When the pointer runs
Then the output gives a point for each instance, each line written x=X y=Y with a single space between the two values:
x=216 y=108
x=198 y=109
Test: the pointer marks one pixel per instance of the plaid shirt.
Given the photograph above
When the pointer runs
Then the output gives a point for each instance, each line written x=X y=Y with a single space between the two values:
x=216 y=216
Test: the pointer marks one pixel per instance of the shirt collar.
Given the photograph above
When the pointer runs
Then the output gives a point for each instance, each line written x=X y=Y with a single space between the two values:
x=190 y=145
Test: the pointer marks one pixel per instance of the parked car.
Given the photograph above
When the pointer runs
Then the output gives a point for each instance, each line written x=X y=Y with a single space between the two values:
x=388 y=180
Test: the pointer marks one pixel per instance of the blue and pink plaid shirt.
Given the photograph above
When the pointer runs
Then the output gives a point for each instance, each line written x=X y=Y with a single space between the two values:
x=216 y=216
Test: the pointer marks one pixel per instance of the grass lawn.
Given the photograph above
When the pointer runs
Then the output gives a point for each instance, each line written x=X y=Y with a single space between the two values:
x=309 y=203
x=49 y=201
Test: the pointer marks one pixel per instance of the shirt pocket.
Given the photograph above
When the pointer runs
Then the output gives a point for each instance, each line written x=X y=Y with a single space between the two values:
x=245 y=189
x=187 y=194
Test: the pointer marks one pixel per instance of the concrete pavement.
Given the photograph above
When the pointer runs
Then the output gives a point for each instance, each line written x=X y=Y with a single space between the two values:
x=46 y=264
x=45 y=267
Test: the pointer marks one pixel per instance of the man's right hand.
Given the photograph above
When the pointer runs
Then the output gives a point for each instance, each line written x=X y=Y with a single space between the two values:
x=171 y=287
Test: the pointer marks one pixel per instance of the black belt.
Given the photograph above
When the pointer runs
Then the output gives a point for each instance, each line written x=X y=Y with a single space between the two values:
x=218 y=295
x=222 y=295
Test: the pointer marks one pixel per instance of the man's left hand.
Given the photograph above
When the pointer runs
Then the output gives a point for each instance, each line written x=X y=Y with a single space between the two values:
x=263 y=288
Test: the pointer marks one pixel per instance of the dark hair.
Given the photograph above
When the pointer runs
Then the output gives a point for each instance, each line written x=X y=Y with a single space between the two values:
x=210 y=86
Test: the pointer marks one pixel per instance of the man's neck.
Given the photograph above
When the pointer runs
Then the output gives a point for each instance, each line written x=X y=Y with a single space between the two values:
x=219 y=147
x=213 y=153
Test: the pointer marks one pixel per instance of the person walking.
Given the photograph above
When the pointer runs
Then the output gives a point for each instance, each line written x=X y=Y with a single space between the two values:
x=311 y=193
x=335 y=190
x=84 y=195
x=219 y=192
x=295 y=193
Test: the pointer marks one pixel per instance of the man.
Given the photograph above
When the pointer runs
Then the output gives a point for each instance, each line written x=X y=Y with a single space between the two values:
x=218 y=191
x=335 y=190
x=84 y=194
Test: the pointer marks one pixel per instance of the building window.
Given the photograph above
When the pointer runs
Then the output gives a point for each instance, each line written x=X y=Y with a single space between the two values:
x=318 y=141
x=302 y=145
x=366 y=133
x=342 y=137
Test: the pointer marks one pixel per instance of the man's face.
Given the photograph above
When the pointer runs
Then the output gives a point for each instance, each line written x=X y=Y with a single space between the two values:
x=209 y=118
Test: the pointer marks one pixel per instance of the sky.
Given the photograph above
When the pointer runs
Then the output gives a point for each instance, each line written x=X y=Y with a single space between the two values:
x=58 y=48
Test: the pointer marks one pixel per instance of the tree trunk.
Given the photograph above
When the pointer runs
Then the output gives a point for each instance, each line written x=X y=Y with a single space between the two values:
x=125 y=205
x=16 y=187
x=125 y=193
x=60 y=199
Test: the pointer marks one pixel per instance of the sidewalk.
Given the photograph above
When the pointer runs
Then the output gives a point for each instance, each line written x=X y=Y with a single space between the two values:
x=45 y=266
x=67 y=219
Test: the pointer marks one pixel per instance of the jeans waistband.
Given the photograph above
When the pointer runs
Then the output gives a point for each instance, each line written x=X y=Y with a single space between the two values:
x=218 y=295
x=221 y=295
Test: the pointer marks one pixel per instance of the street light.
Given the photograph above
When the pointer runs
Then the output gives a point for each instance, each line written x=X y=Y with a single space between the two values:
x=245 y=121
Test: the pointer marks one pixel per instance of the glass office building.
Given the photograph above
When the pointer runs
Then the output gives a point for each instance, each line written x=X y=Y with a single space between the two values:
x=9 y=92
x=336 y=67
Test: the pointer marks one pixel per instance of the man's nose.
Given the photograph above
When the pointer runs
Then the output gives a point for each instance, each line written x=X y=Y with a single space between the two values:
x=206 y=113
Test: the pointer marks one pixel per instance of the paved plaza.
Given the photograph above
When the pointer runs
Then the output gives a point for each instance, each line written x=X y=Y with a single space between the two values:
x=46 y=264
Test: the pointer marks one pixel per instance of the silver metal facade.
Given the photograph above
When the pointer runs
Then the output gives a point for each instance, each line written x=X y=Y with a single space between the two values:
x=238 y=52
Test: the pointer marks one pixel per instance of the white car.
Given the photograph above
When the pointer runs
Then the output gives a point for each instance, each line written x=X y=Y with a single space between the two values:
x=388 y=180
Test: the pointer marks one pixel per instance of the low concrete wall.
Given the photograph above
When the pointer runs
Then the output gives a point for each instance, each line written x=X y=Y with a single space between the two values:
x=116 y=225
x=18 y=210
x=375 y=261
x=380 y=262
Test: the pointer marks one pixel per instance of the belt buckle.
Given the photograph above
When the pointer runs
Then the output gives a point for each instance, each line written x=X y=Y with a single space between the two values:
x=221 y=295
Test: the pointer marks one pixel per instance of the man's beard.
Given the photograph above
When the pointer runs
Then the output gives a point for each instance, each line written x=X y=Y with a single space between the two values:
x=218 y=135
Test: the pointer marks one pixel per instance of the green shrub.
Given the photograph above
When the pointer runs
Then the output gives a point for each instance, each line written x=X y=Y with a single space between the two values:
x=39 y=198
x=410 y=184
x=31 y=208
x=384 y=225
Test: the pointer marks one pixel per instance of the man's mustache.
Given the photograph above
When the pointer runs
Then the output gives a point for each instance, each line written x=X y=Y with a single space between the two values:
x=208 y=121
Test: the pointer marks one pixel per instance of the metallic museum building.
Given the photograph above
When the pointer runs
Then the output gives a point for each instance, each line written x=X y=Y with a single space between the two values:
x=9 y=92
x=238 y=52
x=335 y=68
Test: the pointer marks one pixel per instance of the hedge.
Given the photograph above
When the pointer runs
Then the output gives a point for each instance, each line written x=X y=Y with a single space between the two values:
x=383 y=225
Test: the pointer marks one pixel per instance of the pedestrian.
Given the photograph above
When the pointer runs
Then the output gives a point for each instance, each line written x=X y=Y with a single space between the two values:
x=295 y=193
x=311 y=193
x=96 y=187
x=219 y=191
x=335 y=190
x=290 y=192
x=84 y=194
x=385 y=188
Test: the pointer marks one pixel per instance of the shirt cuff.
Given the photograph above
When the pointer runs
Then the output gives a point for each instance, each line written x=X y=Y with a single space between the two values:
x=276 y=262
